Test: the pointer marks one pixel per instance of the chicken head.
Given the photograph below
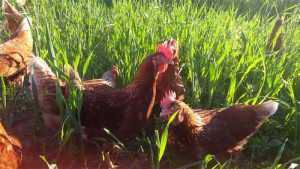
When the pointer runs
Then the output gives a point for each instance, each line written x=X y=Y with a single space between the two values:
x=162 y=60
x=170 y=105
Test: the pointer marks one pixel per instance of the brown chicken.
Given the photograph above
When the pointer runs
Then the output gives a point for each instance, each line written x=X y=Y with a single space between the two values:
x=45 y=82
x=15 y=53
x=10 y=150
x=126 y=110
x=13 y=17
x=222 y=132
x=171 y=79
x=117 y=108
x=107 y=81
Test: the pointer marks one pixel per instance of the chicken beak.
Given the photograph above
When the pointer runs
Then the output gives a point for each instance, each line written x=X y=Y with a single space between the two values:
x=170 y=62
x=165 y=114
x=116 y=74
x=162 y=113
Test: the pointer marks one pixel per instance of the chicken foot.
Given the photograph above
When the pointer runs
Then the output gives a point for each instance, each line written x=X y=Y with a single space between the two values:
x=108 y=150
x=108 y=161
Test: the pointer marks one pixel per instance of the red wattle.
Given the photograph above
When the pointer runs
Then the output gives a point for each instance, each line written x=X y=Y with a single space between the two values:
x=162 y=67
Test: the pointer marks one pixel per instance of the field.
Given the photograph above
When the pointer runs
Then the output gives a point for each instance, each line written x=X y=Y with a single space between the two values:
x=224 y=57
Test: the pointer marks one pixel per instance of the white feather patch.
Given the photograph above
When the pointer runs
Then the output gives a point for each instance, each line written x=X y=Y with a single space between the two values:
x=271 y=106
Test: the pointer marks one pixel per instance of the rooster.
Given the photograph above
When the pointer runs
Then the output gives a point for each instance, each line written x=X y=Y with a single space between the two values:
x=16 y=53
x=171 y=79
x=222 y=132
x=10 y=150
x=45 y=83
x=126 y=110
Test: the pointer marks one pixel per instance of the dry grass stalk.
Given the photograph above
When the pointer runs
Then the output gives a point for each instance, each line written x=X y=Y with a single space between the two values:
x=277 y=25
x=279 y=44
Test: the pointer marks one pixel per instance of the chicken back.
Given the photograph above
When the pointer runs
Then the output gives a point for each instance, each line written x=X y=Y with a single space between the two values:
x=222 y=132
x=111 y=76
x=107 y=81
x=10 y=150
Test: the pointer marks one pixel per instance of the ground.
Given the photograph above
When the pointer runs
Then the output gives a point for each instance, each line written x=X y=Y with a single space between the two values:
x=37 y=141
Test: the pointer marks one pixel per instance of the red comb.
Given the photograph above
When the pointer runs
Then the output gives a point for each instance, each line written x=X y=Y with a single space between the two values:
x=115 y=68
x=168 y=99
x=167 y=52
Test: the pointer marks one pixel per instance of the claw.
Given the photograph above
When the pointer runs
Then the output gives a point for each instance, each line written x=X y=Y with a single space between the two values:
x=108 y=161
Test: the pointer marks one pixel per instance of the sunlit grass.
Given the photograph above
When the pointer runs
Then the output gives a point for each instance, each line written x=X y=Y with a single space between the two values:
x=222 y=46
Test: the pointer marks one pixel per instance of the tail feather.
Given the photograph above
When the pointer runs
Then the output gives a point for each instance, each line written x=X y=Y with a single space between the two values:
x=15 y=51
x=4 y=5
x=13 y=17
x=45 y=82
x=68 y=69
x=25 y=25
x=2 y=130
x=267 y=109
x=40 y=72
x=38 y=63
x=74 y=78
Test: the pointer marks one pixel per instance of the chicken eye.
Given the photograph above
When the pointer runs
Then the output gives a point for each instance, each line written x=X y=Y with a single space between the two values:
x=173 y=108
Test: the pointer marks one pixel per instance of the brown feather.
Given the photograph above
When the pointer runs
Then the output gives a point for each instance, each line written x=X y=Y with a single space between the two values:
x=107 y=81
x=97 y=84
x=13 y=17
x=14 y=53
x=222 y=132
x=123 y=111
x=45 y=82
x=10 y=150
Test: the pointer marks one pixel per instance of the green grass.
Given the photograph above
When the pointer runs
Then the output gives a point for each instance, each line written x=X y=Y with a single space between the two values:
x=92 y=36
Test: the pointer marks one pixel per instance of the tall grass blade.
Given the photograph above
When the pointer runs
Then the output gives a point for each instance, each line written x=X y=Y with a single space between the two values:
x=50 y=166
x=164 y=137
x=3 y=92
x=279 y=154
